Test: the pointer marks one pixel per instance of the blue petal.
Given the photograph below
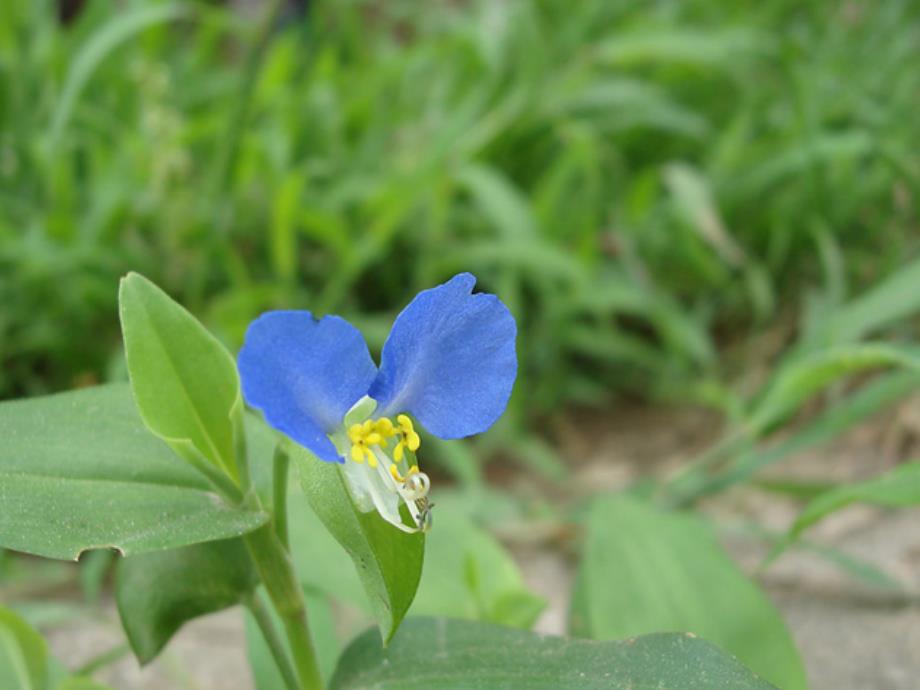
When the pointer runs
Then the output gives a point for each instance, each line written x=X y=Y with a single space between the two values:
x=305 y=374
x=449 y=360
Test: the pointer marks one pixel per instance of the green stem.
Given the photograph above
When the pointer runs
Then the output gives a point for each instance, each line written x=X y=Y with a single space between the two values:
x=277 y=573
x=280 y=491
x=219 y=479
x=275 y=644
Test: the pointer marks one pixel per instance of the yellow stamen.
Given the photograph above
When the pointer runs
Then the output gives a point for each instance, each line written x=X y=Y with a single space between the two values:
x=377 y=432
x=408 y=438
x=384 y=427
x=362 y=437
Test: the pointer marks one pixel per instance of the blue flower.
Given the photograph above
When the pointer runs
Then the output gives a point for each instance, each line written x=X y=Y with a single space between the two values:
x=449 y=362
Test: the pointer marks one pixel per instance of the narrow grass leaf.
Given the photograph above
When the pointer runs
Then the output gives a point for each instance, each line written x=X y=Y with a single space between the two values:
x=23 y=654
x=119 y=29
x=899 y=488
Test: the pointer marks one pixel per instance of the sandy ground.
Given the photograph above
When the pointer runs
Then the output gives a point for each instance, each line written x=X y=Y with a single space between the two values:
x=852 y=637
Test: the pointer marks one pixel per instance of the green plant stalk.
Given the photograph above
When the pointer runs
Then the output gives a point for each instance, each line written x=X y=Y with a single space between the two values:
x=269 y=550
x=260 y=612
x=219 y=478
x=280 y=468
x=276 y=571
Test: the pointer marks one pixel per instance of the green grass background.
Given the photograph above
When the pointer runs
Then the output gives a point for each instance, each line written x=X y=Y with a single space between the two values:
x=643 y=183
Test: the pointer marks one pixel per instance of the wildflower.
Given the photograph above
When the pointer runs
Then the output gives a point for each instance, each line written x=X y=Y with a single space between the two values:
x=449 y=363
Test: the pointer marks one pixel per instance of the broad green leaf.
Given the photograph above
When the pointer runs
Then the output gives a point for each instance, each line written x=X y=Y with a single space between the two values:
x=645 y=571
x=184 y=381
x=312 y=543
x=467 y=574
x=899 y=488
x=79 y=471
x=388 y=561
x=158 y=592
x=23 y=654
x=442 y=654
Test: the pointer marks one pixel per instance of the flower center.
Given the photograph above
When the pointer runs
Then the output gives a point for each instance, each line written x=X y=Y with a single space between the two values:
x=386 y=482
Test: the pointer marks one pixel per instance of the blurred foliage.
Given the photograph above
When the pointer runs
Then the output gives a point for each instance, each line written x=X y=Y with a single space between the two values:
x=640 y=182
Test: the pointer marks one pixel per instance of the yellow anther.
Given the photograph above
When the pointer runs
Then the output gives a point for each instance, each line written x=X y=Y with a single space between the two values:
x=362 y=436
x=407 y=438
x=395 y=473
x=385 y=428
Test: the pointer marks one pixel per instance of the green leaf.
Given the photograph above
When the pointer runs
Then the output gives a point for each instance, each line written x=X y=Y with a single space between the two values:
x=122 y=27
x=895 y=298
x=158 y=592
x=899 y=488
x=882 y=391
x=804 y=377
x=23 y=654
x=695 y=202
x=184 y=381
x=79 y=471
x=467 y=574
x=388 y=561
x=312 y=543
x=442 y=654
x=645 y=571
x=80 y=683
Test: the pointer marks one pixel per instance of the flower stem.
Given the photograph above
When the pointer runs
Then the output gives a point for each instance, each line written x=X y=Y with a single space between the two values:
x=275 y=644
x=279 y=494
x=277 y=573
